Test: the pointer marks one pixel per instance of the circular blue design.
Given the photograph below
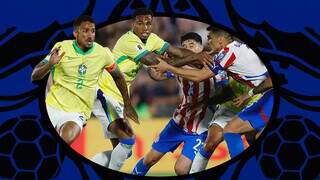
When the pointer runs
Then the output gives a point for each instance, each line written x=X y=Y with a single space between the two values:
x=291 y=148
x=27 y=150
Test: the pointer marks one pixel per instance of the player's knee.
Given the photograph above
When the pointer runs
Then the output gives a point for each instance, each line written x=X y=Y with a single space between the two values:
x=181 y=170
x=237 y=127
x=215 y=138
x=211 y=145
x=69 y=132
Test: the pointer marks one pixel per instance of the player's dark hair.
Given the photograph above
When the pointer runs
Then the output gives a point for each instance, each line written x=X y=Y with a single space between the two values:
x=220 y=32
x=191 y=35
x=81 y=19
x=141 y=11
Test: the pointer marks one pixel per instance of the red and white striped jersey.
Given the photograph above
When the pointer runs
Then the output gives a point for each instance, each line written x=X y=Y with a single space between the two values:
x=193 y=120
x=242 y=63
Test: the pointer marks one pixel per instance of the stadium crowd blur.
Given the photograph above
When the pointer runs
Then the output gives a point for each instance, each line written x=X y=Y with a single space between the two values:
x=154 y=98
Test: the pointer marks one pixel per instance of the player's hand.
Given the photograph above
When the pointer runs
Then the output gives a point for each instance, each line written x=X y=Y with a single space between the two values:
x=241 y=99
x=205 y=57
x=162 y=66
x=55 y=57
x=165 y=56
x=130 y=113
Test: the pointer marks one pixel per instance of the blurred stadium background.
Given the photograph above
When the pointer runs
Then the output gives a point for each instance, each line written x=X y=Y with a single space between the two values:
x=154 y=101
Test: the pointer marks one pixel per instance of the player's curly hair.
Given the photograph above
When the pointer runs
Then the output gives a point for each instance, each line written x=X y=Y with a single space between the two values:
x=142 y=11
x=81 y=19
x=191 y=35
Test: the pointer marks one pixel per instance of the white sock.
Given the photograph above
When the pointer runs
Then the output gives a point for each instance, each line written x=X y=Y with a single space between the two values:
x=102 y=158
x=199 y=163
x=119 y=155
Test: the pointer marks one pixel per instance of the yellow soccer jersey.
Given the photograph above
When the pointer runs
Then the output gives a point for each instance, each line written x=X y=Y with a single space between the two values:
x=128 y=50
x=75 y=77
x=239 y=89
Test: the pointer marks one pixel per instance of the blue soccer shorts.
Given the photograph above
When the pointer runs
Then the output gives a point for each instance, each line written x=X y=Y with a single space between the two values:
x=172 y=136
x=258 y=114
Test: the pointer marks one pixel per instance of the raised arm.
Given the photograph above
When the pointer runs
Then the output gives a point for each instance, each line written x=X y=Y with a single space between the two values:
x=118 y=78
x=43 y=68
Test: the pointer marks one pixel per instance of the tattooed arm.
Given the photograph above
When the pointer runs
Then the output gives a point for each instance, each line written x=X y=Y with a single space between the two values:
x=262 y=87
x=43 y=68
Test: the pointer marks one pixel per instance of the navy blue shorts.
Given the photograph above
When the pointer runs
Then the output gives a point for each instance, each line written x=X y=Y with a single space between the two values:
x=172 y=136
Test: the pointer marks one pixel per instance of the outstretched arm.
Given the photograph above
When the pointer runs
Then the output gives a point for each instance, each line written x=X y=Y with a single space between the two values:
x=262 y=87
x=157 y=76
x=118 y=78
x=196 y=75
x=182 y=56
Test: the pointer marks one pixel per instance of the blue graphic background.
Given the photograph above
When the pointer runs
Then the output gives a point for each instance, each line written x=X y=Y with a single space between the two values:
x=286 y=34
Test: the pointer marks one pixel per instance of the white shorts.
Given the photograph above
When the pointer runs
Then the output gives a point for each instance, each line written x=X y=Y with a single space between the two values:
x=222 y=116
x=107 y=109
x=59 y=117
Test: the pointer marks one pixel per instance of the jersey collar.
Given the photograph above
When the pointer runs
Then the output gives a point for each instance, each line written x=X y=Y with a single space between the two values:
x=79 y=51
x=138 y=37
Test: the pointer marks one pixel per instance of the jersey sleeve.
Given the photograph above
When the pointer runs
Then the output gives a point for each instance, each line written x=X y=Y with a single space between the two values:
x=220 y=73
x=226 y=58
x=160 y=45
x=46 y=59
x=110 y=64
x=133 y=49
x=223 y=60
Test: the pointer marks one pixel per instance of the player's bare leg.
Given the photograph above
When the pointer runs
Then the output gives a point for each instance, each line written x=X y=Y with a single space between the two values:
x=144 y=164
x=214 y=138
x=237 y=125
x=69 y=131
x=126 y=141
x=182 y=165
x=152 y=157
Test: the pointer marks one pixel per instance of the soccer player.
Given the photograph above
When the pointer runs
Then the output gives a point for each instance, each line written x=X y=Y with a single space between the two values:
x=136 y=48
x=187 y=125
x=75 y=66
x=243 y=65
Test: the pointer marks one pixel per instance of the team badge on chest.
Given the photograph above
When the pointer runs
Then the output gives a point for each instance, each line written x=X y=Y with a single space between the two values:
x=82 y=69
